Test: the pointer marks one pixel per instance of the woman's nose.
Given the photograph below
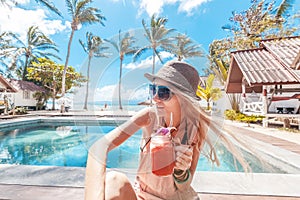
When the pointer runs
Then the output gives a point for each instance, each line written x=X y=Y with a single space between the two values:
x=156 y=99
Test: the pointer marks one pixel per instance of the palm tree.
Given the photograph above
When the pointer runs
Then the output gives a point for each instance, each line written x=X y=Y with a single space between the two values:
x=81 y=14
x=184 y=48
x=124 y=47
x=37 y=45
x=157 y=35
x=209 y=93
x=93 y=47
x=45 y=3
x=5 y=49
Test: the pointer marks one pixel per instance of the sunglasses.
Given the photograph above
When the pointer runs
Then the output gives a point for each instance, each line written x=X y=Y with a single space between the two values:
x=163 y=93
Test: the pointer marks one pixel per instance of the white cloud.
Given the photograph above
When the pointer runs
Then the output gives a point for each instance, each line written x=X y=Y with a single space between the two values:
x=151 y=7
x=110 y=93
x=189 y=5
x=156 y=6
x=144 y=64
x=18 y=20
x=148 y=62
x=165 y=54
x=105 y=93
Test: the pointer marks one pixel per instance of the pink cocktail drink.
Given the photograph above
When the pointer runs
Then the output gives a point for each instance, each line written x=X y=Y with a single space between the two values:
x=162 y=155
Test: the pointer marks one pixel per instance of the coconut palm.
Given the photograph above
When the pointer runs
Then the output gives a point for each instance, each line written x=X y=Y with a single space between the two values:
x=124 y=46
x=5 y=49
x=157 y=35
x=184 y=47
x=81 y=13
x=93 y=47
x=37 y=45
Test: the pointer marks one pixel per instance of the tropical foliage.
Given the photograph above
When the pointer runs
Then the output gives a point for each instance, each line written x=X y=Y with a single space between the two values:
x=82 y=14
x=49 y=74
x=261 y=21
x=124 y=46
x=41 y=99
x=93 y=47
x=22 y=53
x=5 y=49
x=184 y=47
x=158 y=37
x=208 y=92
x=237 y=116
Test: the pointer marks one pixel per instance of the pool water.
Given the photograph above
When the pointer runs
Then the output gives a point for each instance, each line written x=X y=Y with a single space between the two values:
x=64 y=144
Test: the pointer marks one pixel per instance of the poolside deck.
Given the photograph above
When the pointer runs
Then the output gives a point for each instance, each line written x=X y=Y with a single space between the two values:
x=275 y=141
x=29 y=192
x=16 y=189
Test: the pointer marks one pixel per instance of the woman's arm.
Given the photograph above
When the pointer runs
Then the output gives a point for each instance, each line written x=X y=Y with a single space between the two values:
x=97 y=155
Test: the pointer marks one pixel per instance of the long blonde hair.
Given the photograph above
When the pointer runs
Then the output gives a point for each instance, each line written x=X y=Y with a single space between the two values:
x=209 y=128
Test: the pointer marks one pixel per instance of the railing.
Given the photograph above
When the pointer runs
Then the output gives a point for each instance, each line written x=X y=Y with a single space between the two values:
x=255 y=107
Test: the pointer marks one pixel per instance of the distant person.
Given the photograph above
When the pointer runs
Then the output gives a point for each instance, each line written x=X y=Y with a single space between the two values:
x=174 y=132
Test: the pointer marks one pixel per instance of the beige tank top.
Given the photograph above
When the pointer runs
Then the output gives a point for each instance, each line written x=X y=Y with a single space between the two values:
x=150 y=186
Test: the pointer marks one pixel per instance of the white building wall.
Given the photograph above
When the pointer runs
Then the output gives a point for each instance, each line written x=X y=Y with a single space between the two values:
x=19 y=99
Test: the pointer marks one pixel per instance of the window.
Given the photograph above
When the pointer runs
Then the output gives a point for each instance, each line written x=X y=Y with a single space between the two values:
x=26 y=94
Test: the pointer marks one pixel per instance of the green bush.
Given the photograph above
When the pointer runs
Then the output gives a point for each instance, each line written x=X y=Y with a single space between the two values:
x=20 y=111
x=230 y=114
x=238 y=116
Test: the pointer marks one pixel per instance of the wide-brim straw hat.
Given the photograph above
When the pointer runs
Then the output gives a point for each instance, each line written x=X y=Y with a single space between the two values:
x=180 y=75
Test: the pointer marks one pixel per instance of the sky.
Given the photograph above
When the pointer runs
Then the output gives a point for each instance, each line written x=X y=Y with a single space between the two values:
x=201 y=20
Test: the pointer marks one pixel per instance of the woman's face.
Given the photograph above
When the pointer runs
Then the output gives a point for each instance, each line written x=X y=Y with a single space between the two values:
x=170 y=105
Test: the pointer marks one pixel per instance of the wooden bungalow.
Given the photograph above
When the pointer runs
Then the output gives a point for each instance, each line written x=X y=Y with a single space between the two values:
x=24 y=96
x=273 y=70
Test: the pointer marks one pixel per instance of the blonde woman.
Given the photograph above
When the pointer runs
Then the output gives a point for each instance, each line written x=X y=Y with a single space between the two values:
x=177 y=112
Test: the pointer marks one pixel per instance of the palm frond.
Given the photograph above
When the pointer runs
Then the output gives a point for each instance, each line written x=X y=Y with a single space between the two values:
x=283 y=8
x=70 y=7
x=113 y=43
x=83 y=46
x=50 y=6
x=140 y=51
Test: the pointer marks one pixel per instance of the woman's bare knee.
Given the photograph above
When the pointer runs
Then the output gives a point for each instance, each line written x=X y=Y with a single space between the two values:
x=117 y=187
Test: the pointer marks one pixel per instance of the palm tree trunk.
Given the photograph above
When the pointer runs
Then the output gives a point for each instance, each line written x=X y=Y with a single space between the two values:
x=53 y=94
x=53 y=97
x=25 y=69
x=87 y=84
x=153 y=68
x=153 y=64
x=63 y=87
x=120 y=78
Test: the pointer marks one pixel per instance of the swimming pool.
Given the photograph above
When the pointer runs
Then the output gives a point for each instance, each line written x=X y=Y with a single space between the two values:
x=66 y=144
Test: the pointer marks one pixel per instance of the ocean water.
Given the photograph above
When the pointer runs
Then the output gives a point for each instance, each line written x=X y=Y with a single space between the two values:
x=101 y=106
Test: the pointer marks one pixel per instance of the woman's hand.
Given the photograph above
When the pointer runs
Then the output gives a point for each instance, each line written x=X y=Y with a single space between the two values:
x=184 y=156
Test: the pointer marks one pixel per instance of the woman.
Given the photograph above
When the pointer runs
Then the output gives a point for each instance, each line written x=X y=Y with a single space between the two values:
x=176 y=108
